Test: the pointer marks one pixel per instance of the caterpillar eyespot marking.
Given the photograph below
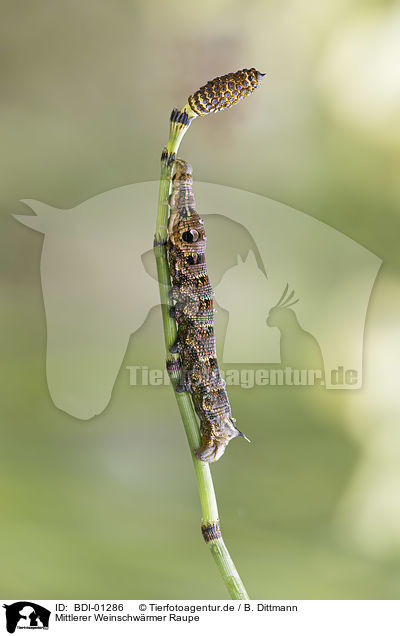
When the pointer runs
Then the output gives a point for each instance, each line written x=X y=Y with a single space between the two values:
x=190 y=236
x=194 y=313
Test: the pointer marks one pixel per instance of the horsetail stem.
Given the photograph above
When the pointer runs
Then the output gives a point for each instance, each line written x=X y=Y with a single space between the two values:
x=218 y=94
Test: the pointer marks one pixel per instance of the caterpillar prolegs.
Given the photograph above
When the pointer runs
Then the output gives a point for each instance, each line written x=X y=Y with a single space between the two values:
x=194 y=313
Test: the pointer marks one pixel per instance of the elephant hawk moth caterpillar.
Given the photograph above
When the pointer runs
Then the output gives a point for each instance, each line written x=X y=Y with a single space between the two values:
x=199 y=372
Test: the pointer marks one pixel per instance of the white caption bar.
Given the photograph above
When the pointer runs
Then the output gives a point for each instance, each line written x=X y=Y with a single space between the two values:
x=278 y=618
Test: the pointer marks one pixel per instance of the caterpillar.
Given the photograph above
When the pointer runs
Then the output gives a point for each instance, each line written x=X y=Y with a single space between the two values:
x=194 y=313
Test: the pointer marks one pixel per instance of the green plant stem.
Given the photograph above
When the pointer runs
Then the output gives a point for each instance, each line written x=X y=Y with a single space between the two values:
x=208 y=500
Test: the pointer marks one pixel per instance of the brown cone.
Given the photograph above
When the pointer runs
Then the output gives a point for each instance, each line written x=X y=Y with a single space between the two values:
x=223 y=92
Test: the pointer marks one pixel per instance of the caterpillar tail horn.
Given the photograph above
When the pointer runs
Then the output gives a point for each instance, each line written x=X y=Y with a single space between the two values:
x=213 y=444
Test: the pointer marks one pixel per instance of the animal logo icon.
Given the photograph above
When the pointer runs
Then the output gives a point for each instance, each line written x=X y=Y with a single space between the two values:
x=98 y=289
x=27 y=615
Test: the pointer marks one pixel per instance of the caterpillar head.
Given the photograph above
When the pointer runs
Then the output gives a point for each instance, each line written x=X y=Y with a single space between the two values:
x=183 y=171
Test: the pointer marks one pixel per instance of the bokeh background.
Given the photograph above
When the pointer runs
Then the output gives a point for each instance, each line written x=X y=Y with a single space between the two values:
x=108 y=508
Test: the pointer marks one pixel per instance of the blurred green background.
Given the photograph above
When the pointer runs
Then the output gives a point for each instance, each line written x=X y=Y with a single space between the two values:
x=108 y=508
